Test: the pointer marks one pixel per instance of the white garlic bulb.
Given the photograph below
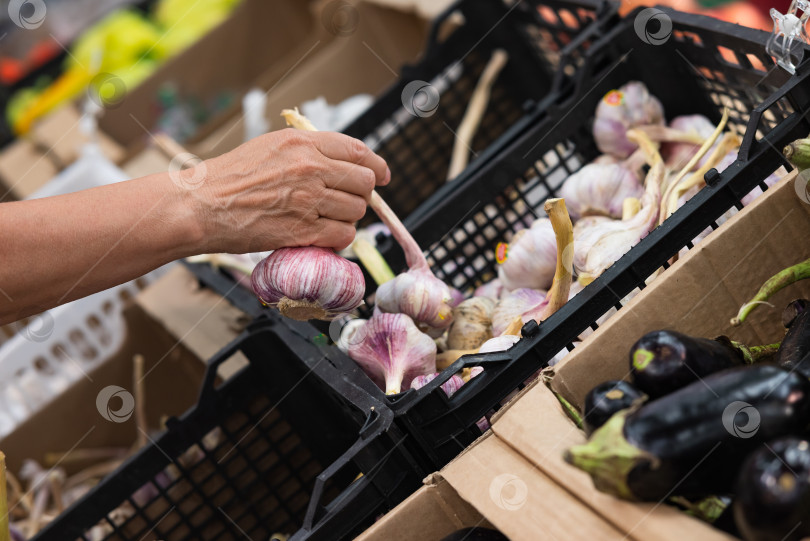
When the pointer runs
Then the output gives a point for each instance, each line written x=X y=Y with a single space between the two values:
x=530 y=259
x=618 y=111
x=600 y=189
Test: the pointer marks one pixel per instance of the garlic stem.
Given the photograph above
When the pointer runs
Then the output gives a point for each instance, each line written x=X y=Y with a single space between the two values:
x=5 y=532
x=140 y=400
x=728 y=143
x=564 y=233
x=446 y=358
x=413 y=254
x=475 y=112
x=707 y=144
x=630 y=207
x=372 y=260
x=670 y=135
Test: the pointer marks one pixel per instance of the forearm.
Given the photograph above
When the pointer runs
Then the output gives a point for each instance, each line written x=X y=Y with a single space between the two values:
x=58 y=249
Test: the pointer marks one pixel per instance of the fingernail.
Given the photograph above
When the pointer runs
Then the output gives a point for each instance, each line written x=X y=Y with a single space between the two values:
x=387 y=175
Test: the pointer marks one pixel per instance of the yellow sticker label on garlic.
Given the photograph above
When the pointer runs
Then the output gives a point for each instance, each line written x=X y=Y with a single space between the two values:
x=501 y=252
x=614 y=97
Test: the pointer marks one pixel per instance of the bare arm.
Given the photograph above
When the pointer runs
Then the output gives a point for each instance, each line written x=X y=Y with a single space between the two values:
x=286 y=188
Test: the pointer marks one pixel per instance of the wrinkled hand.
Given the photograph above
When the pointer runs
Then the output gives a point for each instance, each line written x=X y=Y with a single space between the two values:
x=286 y=188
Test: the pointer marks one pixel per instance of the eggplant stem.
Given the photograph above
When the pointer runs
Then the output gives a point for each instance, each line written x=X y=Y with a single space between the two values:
x=777 y=282
x=474 y=113
x=373 y=261
x=704 y=148
x=570 y=410
x=563 y=274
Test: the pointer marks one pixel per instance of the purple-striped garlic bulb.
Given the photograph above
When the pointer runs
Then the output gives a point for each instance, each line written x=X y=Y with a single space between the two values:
x=530 y=259
x=308 y=283
x=417 y=292
x=519 y=302
x=449 y=387
x=600 y=189
x=677 y=155
x=622 y=109
x=393 y=351
x=499 y=343
x=492 y=290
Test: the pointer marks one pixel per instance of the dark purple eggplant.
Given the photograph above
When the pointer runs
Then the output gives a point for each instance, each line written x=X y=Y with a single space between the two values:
x=606 y=399
x=692 y=442
x=773 y=492
x=476 y=534
x=663 y=361
x=793 y=309
x=794 y=353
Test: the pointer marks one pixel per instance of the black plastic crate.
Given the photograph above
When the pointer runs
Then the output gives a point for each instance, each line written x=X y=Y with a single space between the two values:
x=546 y=41
x=272 y=449
x=461 y=225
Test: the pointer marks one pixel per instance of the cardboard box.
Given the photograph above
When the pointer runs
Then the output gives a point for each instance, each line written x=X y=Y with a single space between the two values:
x=704 y=290
x=24 y=168
x=173 y=376
x=431 y=513
x=366 y=61
x=258 y=34
x=58 y=135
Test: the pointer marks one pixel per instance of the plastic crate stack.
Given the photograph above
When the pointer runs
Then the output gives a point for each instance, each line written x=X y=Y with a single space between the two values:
x=282 y=447
x=545 y=41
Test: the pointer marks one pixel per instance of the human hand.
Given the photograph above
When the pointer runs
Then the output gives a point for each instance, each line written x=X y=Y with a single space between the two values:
x=285 y=188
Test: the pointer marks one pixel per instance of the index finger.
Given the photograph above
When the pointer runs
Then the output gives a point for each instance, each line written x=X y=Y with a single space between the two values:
x=338 y=146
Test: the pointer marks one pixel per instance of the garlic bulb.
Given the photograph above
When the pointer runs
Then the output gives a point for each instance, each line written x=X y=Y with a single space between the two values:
x=472 y=324
x=456 y=297
x=417 y=292
x=393 y=351
x=530 y=258
x=676 y=155
x=449 y=387
x=518 y=303
x=492 y=290
x=618 y=111
x=308 y=283
x=499 y=343
x=600 y=189
x=600 y=242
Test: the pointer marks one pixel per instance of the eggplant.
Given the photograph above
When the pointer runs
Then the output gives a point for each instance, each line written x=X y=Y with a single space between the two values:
x=663 y=361
x=606 y=399
x=794 y=353
x=773 y=492
x=476 y=534
x=793 y=309
x=692 y=442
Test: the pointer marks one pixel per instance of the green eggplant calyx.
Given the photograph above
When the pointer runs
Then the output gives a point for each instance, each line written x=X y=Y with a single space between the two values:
x=708 y=509
x=609 y=458
x=642 y=358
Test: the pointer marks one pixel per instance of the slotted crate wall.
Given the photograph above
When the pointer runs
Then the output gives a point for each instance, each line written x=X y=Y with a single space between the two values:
x=275 y=449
